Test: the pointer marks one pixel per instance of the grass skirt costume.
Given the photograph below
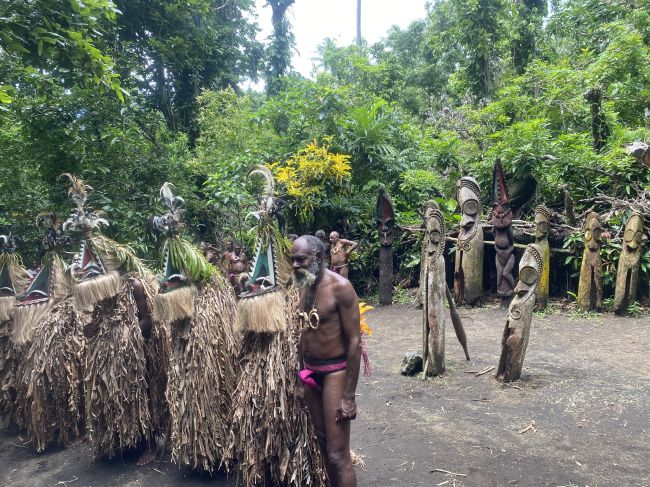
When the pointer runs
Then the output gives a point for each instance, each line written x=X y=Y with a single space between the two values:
x=202 y=378
x=198 y=307
x=123 y=383
x=118 y=385
x=50 y=373
x=272 y=438
x=51 y=379
x=13 y=280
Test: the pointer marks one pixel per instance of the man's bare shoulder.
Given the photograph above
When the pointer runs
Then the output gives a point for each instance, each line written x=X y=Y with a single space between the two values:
x=341 y=287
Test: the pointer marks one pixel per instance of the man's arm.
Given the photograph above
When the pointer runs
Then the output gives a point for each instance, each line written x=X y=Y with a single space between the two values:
x=349 y=245
x=348 y=308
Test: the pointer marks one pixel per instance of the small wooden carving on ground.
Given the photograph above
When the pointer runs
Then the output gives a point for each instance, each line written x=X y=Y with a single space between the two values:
x=503 y=240
x=520 y=313
x=590 y=287
x=468 y=275
x=542 y=225
x=627 y=276
x=434 y=315
x=385 y=217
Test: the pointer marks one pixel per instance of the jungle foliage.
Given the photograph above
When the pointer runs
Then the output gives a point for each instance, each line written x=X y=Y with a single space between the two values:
x=129 y=94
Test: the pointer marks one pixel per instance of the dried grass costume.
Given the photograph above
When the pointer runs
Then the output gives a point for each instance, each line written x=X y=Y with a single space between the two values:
x=13 y=279
x=198 y=307
x=125 y=375
x=272 y=438
x=50 y=374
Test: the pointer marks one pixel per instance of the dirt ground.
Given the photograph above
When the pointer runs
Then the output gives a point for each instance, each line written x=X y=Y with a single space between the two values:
x=585 y=392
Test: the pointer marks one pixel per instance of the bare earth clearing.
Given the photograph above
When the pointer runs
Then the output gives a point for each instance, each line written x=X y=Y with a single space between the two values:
x=586 y=387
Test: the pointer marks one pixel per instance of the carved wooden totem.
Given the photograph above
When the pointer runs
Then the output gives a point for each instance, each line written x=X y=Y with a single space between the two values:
x=468 y=275
x=520 y=313
x=590 y=287
x=435 y=291
x=627 y=276
x=542 y=226
x=386 y=228
x=503 y=240
x=434 y=313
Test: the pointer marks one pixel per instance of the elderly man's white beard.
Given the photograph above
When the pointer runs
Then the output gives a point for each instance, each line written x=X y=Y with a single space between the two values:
x=306 y=277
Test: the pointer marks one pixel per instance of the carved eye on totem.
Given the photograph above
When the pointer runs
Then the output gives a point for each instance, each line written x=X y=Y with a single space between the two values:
x=542 y=226
x=470 y=207
x=434 y=235
x=528 y=275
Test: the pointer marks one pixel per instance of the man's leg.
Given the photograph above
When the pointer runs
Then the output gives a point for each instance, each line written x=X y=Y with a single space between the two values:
x=337 y=435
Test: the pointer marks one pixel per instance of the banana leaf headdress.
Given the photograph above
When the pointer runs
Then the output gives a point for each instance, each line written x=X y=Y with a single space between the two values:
x=13 y=276
x=50 y=285
x=261 y=308
x=185 y=265
x=100 y=260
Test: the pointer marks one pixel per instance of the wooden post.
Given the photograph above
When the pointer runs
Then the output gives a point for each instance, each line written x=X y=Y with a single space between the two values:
x=468 y=272
x=590 y=286
x=627 y=276
x=542 y=225
x=520 y=313
x=503 y=238
x=385 y=217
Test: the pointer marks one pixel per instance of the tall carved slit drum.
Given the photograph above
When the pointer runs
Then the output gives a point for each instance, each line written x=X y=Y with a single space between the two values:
x=627 y=276
x=434 y=316
x=520 y=313
x=503 y=239
x=590 y=286
x=468 y=271
x=542 y=227
x=385 y=217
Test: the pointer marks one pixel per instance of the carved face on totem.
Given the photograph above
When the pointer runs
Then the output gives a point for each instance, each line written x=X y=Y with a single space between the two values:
x=385 y=218
x=542 y=222
x=633 y=235
x=501 y=211
x=530 y=269
x=435 y=230
x=8 y=246
x=593 y=232
x=468 y=196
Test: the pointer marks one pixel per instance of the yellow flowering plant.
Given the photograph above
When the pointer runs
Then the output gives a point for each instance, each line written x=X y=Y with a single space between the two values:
x=306 y=174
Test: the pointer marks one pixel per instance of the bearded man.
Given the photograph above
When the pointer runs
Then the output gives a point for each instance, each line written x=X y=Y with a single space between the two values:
x=329 y=354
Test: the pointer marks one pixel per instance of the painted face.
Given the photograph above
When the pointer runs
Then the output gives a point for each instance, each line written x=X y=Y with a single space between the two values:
x=89 y=264
x=593 y=232
x=501 y=215
x=633 y=233
x=385 y=218
x=40 y=288
x=6 y=283
x=334 y=237
x=541 y=226
x=386 y=231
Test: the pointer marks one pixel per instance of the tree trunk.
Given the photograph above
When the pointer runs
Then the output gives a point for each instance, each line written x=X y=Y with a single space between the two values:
x=386 y=275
